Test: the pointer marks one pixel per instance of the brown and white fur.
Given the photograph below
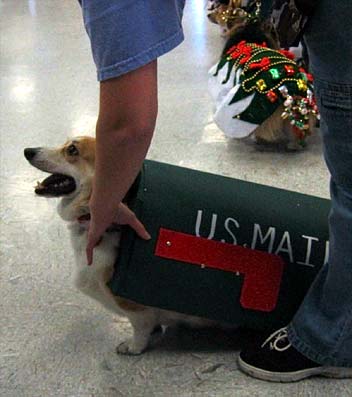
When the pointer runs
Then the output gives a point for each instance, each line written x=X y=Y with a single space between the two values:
x=76 y=159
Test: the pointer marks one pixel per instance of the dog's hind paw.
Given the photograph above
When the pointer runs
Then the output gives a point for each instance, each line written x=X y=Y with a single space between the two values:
x=129 y=347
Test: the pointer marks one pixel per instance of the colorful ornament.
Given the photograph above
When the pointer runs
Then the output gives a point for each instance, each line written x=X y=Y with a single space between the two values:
x=275 y=74
x=290 y=71
x=302 y=85
x=310 y=77
x=297 y=111
x=283 y=90
x=261 y=85
x=288 y=101
x=310 y=95
x=302 y=76
x=272 y=96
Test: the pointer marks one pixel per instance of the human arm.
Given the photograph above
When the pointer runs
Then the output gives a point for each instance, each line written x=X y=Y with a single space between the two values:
x=125 y=126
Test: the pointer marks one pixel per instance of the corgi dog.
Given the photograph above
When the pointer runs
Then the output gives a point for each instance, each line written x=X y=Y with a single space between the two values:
x=71 y=168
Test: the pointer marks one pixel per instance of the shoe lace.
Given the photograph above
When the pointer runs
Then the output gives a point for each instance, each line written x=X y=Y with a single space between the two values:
x=276 y=337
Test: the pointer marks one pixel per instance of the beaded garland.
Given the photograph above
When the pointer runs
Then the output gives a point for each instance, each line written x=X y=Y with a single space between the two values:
x=275 y=76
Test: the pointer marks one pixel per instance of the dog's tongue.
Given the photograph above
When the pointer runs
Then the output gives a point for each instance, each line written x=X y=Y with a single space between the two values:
x=55 y=185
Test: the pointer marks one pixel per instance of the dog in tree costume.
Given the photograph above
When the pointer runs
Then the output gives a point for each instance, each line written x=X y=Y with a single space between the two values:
x=262 y=92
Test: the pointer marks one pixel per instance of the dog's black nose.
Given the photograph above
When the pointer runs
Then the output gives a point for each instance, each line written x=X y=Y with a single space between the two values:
x=29 y=153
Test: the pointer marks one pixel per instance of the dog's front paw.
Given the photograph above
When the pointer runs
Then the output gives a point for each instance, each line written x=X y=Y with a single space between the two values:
x=130 y=347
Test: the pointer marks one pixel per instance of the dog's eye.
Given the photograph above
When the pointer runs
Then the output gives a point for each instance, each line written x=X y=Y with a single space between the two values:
x=72 y=150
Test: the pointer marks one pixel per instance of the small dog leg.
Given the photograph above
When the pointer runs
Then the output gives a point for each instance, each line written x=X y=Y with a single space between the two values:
x=143 y=325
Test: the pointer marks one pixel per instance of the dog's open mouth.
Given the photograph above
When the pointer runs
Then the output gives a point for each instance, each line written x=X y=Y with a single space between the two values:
x=56 y=185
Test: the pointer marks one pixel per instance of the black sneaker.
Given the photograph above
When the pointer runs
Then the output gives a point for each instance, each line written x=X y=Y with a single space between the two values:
x=277 y=360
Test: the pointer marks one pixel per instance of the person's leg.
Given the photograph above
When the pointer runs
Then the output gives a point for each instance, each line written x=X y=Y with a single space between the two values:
x=319 y=339
x=322 y=328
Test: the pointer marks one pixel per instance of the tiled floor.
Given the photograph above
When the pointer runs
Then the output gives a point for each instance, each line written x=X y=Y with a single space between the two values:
x=53 y=341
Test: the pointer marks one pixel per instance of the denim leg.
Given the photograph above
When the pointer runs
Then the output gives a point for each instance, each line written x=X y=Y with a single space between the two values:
x=322 y=327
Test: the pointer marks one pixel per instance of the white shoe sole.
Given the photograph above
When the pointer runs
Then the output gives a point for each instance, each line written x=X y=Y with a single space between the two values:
x=329 y=372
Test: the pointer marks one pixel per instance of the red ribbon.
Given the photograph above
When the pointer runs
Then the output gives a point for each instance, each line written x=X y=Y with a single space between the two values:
x=263 y=64
x=287 y=54
x=241 y=49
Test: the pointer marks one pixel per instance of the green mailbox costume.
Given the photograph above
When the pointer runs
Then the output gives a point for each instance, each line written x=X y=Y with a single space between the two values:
x=221 y=248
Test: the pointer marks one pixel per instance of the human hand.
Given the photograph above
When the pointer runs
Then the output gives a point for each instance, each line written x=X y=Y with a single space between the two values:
x=124 y=217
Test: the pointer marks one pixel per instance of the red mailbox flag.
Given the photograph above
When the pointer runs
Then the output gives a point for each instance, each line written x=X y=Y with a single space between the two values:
x=262 y=271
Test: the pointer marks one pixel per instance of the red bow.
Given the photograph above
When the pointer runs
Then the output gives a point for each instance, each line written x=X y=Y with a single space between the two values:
x=310 y=77
x=263 y=64
x=287 y=54
x=241 y=49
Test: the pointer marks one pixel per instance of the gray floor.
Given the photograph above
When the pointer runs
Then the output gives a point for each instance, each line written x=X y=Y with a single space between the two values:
x=53 y=341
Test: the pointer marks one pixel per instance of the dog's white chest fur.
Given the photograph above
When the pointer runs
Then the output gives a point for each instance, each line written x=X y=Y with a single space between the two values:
x=92 y=280
x=104 y=253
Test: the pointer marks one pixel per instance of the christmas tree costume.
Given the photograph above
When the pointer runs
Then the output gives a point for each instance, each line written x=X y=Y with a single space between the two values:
x=251 y=81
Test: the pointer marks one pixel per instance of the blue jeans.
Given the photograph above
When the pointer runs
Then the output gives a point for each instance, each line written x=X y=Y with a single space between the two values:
x=322 y=327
